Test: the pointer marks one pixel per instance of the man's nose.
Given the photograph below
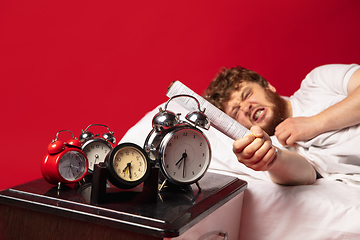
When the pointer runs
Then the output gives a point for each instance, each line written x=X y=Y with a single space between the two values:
x=245 y=107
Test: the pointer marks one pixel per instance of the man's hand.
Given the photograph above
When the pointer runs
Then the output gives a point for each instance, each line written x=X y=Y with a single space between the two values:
x=296 y=129
x=256 y=151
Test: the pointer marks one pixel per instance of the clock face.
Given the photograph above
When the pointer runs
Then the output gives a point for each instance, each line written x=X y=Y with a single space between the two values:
x=186 y=155
x=130 y=164
x=96 y=151
x=72 y=165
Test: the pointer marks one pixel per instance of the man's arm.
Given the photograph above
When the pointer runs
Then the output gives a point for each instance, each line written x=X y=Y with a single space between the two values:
x=343 y=114
x=256 y=152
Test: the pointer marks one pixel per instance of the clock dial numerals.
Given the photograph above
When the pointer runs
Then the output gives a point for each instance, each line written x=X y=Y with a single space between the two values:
x=186 y=153
x=72 y=165
x=96 y=152
x=130 y=164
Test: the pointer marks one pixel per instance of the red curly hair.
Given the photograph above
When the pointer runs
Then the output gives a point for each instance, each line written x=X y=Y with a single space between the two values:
x=228 y=80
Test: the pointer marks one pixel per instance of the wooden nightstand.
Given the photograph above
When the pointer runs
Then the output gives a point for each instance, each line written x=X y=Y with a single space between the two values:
x=38 y=210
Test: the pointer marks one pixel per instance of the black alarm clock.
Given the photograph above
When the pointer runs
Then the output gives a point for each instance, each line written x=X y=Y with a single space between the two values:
x=128 y=165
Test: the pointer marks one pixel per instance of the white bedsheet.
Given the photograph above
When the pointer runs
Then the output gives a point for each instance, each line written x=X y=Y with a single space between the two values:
x=324 y=210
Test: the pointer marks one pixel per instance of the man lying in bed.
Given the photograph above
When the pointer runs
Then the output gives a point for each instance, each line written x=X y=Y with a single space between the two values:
x=317 y=127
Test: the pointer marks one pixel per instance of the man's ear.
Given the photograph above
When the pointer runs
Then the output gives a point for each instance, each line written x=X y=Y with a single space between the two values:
x=271 y=87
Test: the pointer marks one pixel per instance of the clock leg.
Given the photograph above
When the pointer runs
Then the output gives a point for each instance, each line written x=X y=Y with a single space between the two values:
x=198 y=185
x=162 y=185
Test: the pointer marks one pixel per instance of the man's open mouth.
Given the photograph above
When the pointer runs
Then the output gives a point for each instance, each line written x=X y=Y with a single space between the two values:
x=258 y=113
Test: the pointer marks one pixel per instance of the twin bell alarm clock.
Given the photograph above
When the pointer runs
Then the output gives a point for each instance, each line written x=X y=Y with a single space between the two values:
x=64 y=162
x=179 y=147
x=96 y=146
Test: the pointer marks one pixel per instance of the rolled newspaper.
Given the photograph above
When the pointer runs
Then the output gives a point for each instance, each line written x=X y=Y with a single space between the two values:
x=218 y=119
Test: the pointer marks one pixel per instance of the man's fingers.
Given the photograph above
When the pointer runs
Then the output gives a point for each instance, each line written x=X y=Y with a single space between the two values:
x=240 y=144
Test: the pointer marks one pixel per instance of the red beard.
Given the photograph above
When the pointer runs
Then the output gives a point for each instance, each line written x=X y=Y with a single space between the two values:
x=279 y=110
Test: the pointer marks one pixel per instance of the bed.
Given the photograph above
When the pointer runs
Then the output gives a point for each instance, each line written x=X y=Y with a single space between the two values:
x=324 y=210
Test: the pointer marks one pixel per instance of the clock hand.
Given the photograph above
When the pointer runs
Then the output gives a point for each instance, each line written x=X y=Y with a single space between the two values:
x=75 y=170
x=184 y=155
x=129 y=164
x=179 y=162
x=69 y=168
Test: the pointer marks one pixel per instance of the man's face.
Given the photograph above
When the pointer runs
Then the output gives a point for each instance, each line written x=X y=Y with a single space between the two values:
x=253 y=105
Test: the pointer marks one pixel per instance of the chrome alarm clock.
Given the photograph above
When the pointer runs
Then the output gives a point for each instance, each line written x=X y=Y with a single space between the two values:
x=96 y=146
x=179 y=147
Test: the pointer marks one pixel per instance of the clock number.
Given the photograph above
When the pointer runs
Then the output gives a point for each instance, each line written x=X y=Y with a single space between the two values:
x=176 y=137
x=200 y=144
x=185 y=134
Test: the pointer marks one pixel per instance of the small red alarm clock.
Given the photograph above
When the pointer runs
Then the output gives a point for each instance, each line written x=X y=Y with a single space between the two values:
x=65 y=162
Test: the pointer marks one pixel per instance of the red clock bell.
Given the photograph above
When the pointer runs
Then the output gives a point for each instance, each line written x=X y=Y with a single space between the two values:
x=64 y=162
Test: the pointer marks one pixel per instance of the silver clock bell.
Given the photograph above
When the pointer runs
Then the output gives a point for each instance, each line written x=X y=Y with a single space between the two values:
x=166 y=119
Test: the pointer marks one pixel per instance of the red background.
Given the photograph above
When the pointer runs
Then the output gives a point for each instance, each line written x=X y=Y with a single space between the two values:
x=67 y=64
